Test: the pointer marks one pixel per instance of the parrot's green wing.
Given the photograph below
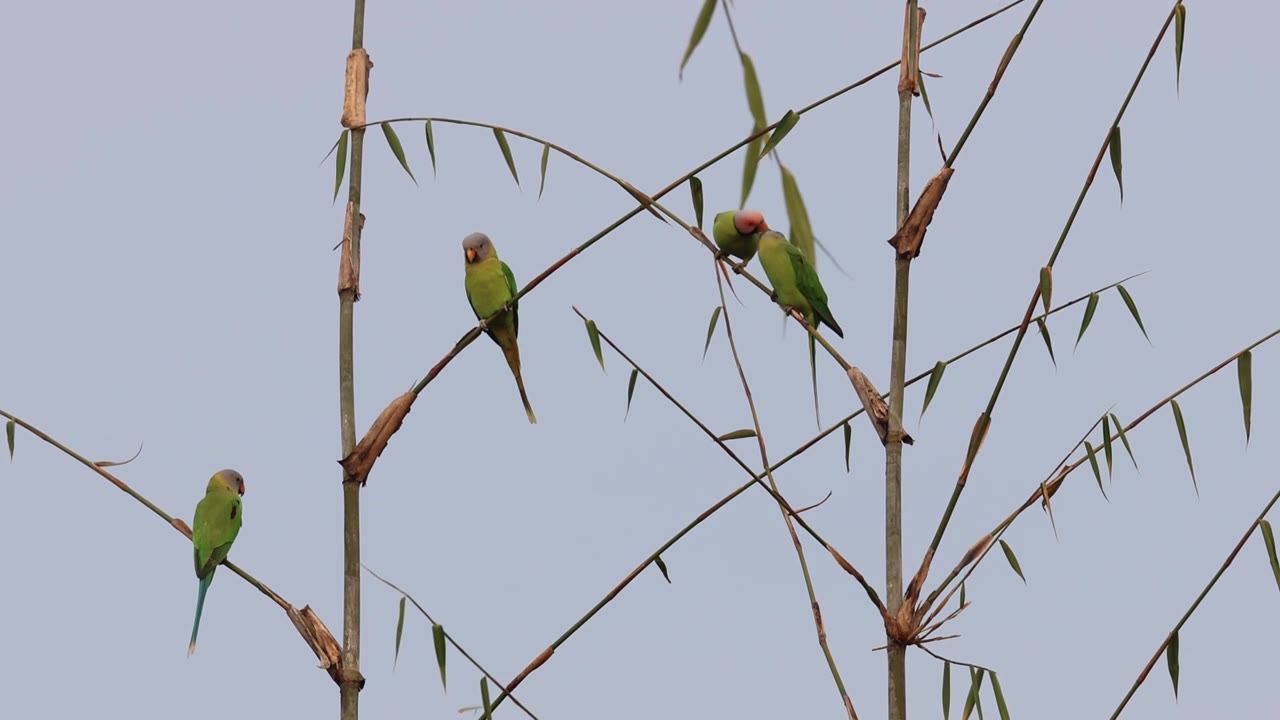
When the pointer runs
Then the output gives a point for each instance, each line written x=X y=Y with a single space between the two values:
x=511 y=284
x=811 y=287
x=217 y=522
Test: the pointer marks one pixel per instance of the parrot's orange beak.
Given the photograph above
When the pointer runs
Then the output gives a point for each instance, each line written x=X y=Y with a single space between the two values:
x=241 y=489
x=763 y=226
x=471 y=255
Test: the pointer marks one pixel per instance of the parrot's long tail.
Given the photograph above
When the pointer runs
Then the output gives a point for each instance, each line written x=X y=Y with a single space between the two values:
x=195 y=628
x=813 y=371
x=512 y=353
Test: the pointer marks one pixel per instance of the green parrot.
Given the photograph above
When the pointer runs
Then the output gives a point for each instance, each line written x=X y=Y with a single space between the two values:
x=217 y=522
x=796 y=285
x=737 y=232
x=491 y=285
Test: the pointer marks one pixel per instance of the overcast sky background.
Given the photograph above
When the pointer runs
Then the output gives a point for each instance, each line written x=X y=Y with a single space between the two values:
x=169 y=280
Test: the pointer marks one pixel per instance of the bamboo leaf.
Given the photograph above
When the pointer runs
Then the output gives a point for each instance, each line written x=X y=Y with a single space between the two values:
x=711 y=329
x=976 y=437
x=962 y=586
x=848 y=441
x=699 y=29
x=1013 y=562
x=431 y=147
x=437 y=639
x=9 y=429
x=1113 y=146
x=1048 y=341
x=631 y=390
x=484 y=699
x=1186 y=446
x=1244 y=370
x=924 y=95
x=1179 y=29
x=1106 y=442
x=1268 y=536
x=1171 y=655
x=1124 y=439
x=1133 y=310
x=340 y=162
x=393 y=141
x=975 y=689
x=787 y=122
x=1000 y=703
x=946 y=690
x=1046 y=286
x=695 y=191
x=935 y=378
x=1093 y=463
x=657 y=560
x=542 y=182
x=755 y=99
x=738 y=434
x=749 y=166
x=1089 y=309
x=801 y=234
x=593 y=334
x=399 y=633
x=501 y=137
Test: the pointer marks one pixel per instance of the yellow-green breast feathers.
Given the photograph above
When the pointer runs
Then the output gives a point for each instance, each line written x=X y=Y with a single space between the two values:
x=490 y=286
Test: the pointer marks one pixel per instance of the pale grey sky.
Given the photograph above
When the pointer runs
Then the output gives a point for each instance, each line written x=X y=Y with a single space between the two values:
x=169 y=279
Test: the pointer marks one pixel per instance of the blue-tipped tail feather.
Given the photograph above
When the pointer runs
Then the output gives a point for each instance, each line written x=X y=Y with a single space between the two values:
x=195 y=627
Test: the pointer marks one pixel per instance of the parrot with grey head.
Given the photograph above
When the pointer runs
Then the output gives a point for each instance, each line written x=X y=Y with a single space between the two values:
x=216 y=524
x=796 y=285
x=737 y=232
x=490 y=286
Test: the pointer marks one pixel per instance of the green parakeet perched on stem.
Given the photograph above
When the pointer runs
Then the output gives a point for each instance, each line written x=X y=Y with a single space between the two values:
x=490 y=286
x=796 y=285
x=737 y=232
x=217 y=522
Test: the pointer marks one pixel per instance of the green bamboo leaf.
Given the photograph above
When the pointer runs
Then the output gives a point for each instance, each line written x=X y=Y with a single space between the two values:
x=738 y=434
x=801 y=234
x=695 y=190
x=1171 y=655
x=1089 y=309
x=1244 y=370
x=437 y=639
x=340 y=162
x=1000 y=703
x=924 y=94
x=1093 y=463
x=484 y=699
x=755 y=99
x=848 y=441
x=657 y=560
x=542 y=182
x=975 y=690
x=699 y=29
x=399 y=633
x=1106 y=442
x=1124 y=439
x=1179 y=29
x=1048 y=341
x=9 y=429
x=749 y=166
x=393 y=141
x=935 y=378
x=1270 y=539
x=1013 y=562
x=431 y=147
x=711 y=329
x=1113 y=145
x=946 y=690
x=631 y=390
x=1186 y=446
x=1133 y=309
x=593 y=334
x=962 y=586
x=1046 y=286
x=506 y=153
x=787 y=122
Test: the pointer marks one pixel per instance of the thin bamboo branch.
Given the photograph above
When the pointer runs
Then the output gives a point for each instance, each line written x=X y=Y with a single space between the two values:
x=456 y=646
x=1142 y=676
x=945 y=520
